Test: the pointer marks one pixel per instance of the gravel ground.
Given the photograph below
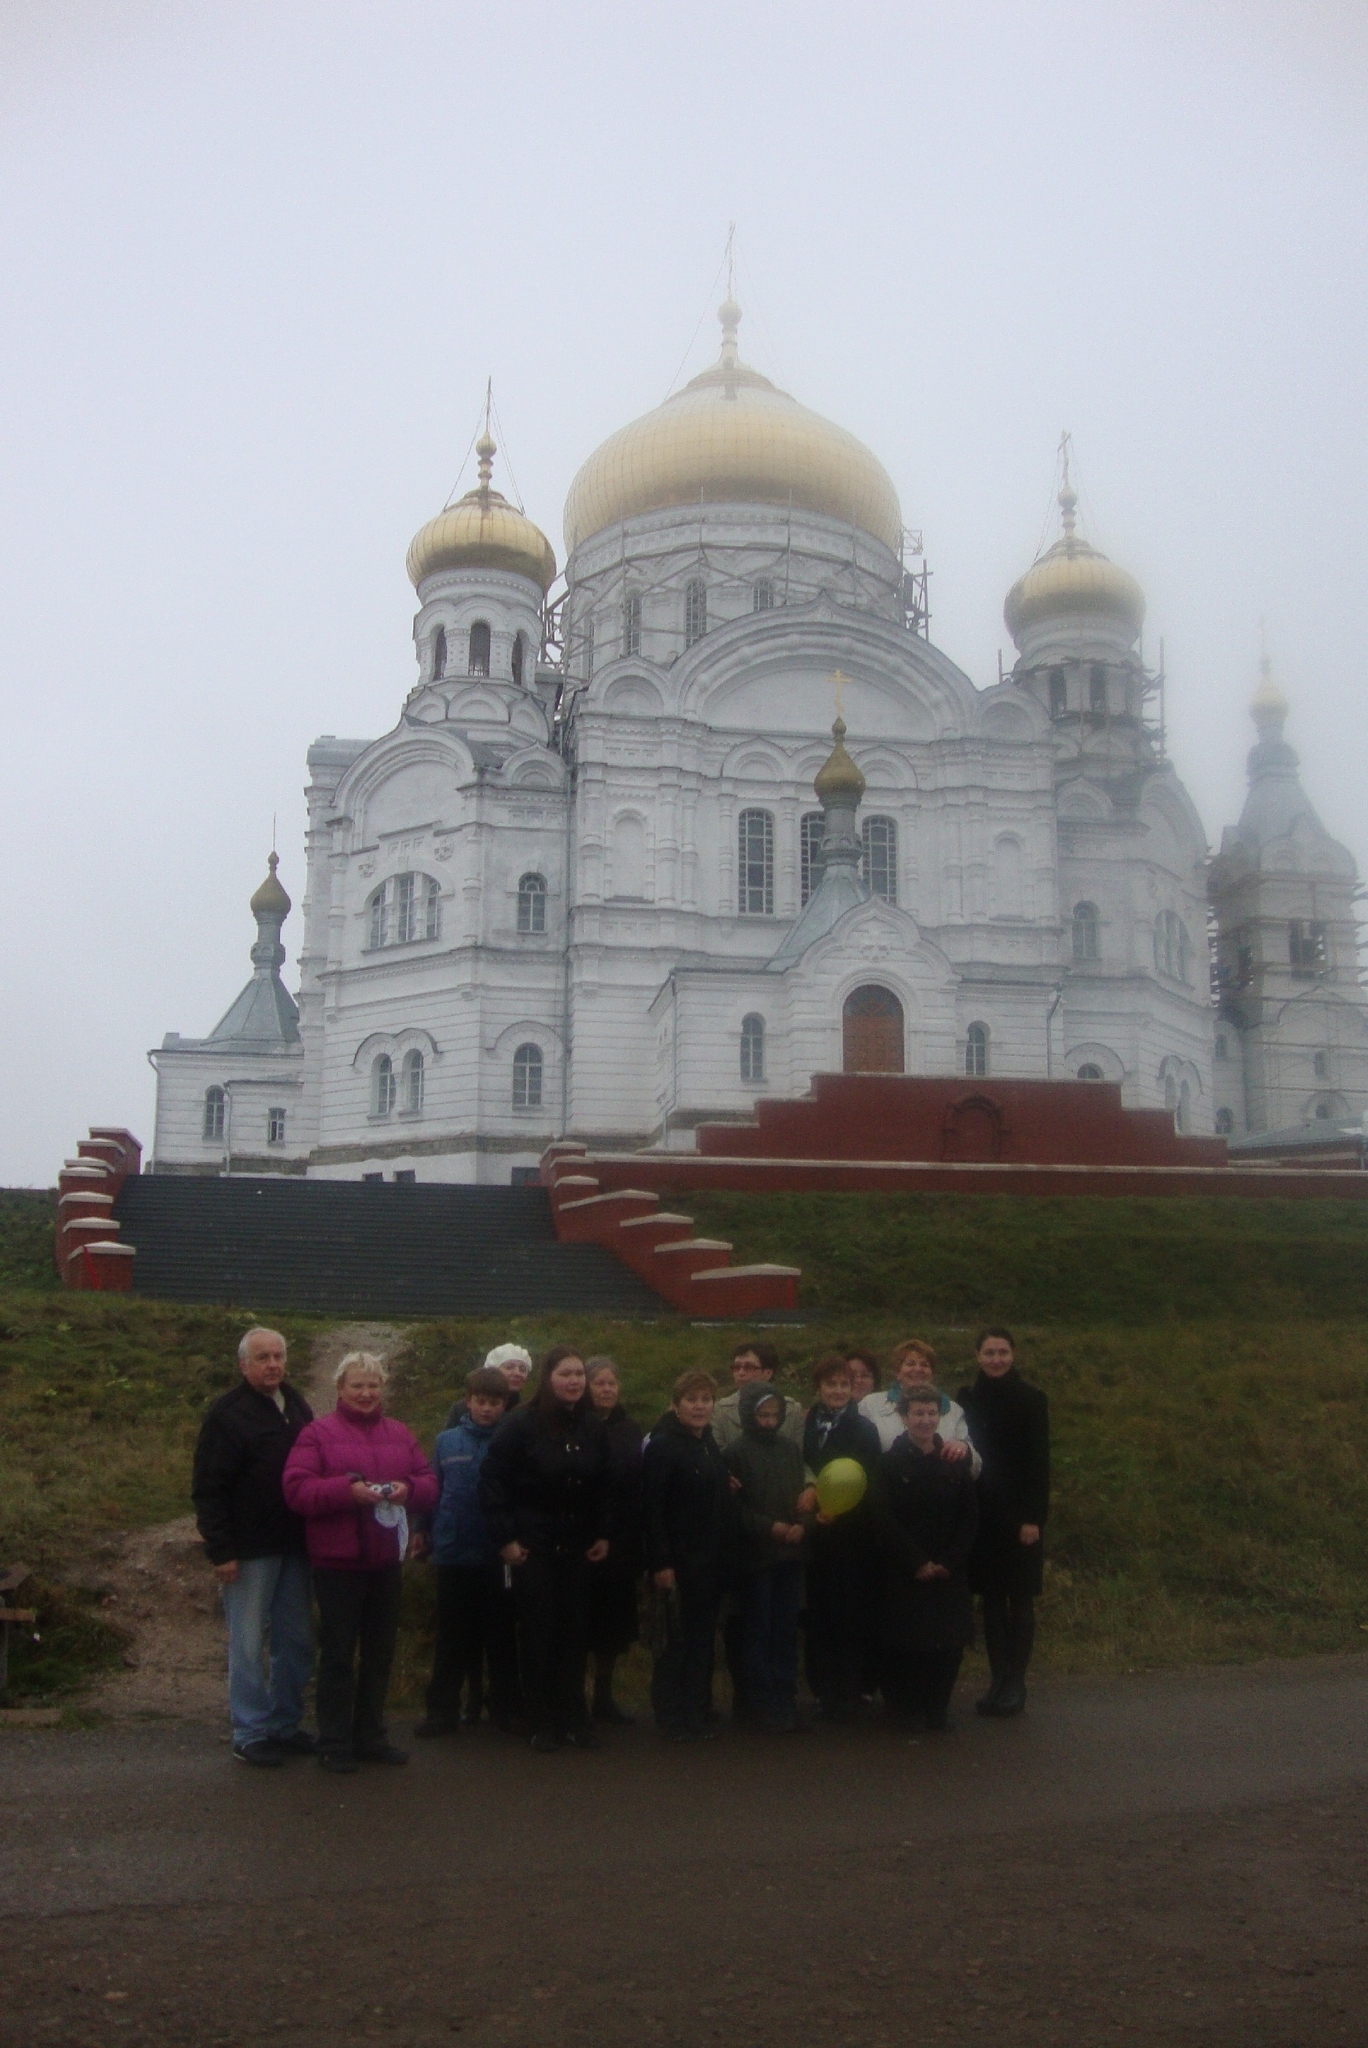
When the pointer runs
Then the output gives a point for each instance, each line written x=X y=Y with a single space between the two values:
x=1162 y=1859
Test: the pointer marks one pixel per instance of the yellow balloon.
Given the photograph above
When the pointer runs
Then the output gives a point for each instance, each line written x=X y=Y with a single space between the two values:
x=841 y=1486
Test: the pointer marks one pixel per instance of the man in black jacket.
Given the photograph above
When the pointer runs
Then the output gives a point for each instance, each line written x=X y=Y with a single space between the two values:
x=256 y=1547
x=689 y=1536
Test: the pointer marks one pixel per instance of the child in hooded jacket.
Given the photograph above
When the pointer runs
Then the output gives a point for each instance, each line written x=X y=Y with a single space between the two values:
x=476 y=1645
x=775 y=1505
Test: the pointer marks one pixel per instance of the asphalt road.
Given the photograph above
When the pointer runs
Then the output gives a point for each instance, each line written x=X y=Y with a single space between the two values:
x=1176 y=1858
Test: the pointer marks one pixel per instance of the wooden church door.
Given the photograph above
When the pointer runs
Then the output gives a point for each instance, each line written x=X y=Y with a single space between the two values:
x=872 y=1032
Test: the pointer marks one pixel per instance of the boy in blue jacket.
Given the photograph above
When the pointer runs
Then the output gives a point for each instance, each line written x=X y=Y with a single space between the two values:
x=475 y=1616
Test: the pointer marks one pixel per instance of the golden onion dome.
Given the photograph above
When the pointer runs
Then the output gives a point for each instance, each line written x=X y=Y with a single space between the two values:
x=838 y=777
x=270 y=899
x=482 y=531
x=1072 y=577
x=731 y=437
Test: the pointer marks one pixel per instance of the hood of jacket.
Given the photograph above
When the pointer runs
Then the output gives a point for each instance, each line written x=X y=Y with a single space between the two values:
x=753 y=1394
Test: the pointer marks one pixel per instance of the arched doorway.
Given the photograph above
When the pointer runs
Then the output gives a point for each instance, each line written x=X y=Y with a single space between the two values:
x=872 y=1032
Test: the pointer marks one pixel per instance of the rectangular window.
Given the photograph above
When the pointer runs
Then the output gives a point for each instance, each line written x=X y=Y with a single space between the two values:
x=695 y=613
x=762 y=597
x=379 y=917
x=404 y=924
x=432 y=909
x=406 y=1177
x=809 y=854
x=275 y=1127
x=1307 y=947
x=880 y=857
x=755 y=847
x=631 y=626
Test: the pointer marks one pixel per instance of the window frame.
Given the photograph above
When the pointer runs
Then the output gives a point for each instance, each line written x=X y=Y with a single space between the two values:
x=474 y=659
x=215 y=1118
x=631 y=623
x=889 y=830
x=439 y=654
x=752 y=1049
x=763 y=594
x=811 y=855
x=755 y=817
x=529 y=1075
x=413 y=1082
x=384 y=1086
x=1090 y=1071
x=695 y=612
x=531 y=913
x=1085 y=926
x=976 y=1042
x=275 y=1125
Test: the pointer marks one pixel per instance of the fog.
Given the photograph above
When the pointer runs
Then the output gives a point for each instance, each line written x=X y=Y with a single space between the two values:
x=258 y=261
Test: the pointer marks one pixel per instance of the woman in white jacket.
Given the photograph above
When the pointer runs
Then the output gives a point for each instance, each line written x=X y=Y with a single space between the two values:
x=914 y=1364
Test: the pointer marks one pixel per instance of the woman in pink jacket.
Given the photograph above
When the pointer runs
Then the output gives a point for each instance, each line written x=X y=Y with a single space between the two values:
x=354 y=1476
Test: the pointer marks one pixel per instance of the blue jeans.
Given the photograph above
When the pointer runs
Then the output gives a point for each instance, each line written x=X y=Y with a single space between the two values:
x=771 y=1601
x=270 y=1617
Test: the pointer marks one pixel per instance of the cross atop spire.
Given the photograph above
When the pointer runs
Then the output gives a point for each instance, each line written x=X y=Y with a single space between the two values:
x=729 y=313
x=1068 y=496
x=486 y=448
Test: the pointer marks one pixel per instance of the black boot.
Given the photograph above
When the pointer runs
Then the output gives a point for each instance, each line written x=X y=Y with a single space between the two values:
x=1011 y=1697
x=997 y=1641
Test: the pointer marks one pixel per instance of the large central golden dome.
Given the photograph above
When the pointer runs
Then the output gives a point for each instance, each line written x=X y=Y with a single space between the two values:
x=731 y=437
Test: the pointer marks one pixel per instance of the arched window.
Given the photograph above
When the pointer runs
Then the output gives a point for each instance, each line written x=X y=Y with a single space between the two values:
x=1172 y=946
x=1090 y=1071
x=762 y=595
x=213 y=1112
x=695 y=611
x=810 y=863
x=631 y=625
x=383 y=1088
x=1059 y=694
x=976 y=1049
x=879 y=862
x=439 y=654
x=1323 y=1112
x=755 y=854
x=1097 y=688
x=752 y=1048
x=405 y=908
x=1225 y=1122
x=532 y=904
x=413 y=1082
x=1085 y=931
x=518 y=659
x=527 y=1077
x=872 y=1031
x=479 y=649
x=1222 y=1046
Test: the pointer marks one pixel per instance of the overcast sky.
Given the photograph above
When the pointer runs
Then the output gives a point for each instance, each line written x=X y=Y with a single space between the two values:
x=257 y=261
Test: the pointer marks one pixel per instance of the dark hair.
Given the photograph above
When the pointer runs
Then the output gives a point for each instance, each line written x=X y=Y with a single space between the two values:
x=830 y=1367
x=488 y=1380
x=544 y=1403
x=766 y=1353
x=870 y=1360
x=601 y=1362
x=692 y=1383
x=918 y=1397
x=994 y=1330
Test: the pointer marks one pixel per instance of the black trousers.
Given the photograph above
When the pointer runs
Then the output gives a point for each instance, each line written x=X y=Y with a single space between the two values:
x=920 y=1681
x=477 y=1634
x=552 y=1594
x=1008 y=1634
x=681 y=1682
x=837 y=1628
x=358 y=1623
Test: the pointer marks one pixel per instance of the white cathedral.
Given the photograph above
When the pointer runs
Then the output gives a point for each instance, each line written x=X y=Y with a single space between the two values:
x=607 y=877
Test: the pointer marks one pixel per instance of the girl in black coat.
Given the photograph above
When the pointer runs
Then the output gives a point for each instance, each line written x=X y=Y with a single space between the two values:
x=613 y=1620
x=926 y=1513
x=689 y=1532
x=546 y=1493
x=1009 y=1426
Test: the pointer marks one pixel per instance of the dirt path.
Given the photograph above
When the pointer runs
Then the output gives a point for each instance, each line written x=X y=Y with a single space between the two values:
x=1171 y=1861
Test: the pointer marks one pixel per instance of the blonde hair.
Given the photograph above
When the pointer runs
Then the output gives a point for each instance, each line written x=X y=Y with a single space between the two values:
x=361 y=1361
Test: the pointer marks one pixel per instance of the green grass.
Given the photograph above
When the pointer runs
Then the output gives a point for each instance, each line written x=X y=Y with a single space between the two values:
x=27 y=1219
x=1207 y=1366
x=1081 y=1260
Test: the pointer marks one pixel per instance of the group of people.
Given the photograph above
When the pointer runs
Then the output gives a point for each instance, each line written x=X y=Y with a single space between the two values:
x=554 y=1525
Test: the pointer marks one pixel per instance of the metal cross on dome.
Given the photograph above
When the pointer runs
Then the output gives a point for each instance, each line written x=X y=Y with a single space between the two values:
x=840 y=679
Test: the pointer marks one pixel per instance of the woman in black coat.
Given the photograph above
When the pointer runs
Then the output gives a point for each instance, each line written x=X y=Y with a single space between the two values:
x=1009 y=1427
x=614 y=1624
x=926 y=1513
x=546 y=1493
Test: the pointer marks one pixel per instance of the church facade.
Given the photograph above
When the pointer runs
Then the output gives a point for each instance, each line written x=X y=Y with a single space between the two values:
x=608 y=877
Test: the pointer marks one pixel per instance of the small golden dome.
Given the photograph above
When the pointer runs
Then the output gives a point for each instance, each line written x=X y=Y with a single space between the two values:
x=270 y=899
x=482 y=531
x=1268 y=706
x=838 y=777
x=1070 y=577
x=731 y=437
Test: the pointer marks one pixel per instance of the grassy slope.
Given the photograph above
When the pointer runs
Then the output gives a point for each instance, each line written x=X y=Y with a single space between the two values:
x=1207 y=1366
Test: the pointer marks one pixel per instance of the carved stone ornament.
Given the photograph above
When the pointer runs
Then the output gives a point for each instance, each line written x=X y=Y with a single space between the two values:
x=366 y=868
x=442 y=852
